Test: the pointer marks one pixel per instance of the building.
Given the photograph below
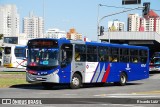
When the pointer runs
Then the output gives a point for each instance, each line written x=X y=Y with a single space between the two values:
x=143 y=31
x=9 y=20
x=33 y=26
x=72 y=34
x=55 y=33
x=133 y=22
x=115 y=26
x=150 y=22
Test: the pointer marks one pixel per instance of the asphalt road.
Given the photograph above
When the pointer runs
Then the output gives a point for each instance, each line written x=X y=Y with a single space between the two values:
x=143 y=91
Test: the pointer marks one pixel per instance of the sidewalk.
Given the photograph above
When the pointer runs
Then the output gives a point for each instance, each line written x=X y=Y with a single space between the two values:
x=12 y=69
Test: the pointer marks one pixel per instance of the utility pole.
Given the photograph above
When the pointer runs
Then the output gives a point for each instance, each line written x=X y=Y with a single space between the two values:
x=99 y=20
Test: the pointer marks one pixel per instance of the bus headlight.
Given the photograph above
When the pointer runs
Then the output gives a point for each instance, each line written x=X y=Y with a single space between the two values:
x=56 y=71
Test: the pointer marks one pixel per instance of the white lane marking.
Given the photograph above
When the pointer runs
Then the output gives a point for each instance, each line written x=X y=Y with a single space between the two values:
x=127 y=95
x=71 y=94
x=122 y=105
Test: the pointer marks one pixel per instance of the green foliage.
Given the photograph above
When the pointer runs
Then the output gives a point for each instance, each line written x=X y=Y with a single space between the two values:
x=1 y=36
x=8 y=79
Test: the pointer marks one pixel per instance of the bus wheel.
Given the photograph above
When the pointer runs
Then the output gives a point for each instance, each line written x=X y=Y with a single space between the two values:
x=47 y=85
x=76 y=81
x=123 y=79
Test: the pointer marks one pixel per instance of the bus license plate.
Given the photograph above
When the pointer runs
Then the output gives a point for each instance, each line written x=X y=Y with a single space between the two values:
x=39 y=78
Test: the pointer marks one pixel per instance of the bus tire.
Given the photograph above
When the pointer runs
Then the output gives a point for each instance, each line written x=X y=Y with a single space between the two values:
x=76 y=81
x=123 y=79
x=47 y=85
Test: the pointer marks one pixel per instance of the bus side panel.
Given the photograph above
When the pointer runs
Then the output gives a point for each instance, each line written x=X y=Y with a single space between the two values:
x=115 y=71
x=105 y=72
x=138 y=71
x=91 y=72
x=133 y=71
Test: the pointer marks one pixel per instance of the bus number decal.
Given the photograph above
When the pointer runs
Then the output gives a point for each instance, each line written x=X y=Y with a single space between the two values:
x=143 y=65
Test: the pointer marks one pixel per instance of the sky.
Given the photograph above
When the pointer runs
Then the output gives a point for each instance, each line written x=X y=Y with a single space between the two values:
x=79 y=14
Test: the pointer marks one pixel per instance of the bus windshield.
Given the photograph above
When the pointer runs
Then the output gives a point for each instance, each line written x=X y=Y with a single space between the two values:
x=43 y=57
x=156 y=60
x=20 y=52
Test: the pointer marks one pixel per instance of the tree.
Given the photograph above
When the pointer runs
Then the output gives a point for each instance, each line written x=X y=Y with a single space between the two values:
x=1 y=37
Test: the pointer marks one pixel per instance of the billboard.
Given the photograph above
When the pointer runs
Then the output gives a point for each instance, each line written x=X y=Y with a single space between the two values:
x=11 y=40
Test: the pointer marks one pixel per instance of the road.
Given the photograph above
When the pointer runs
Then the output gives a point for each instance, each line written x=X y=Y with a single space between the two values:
x=143 y=91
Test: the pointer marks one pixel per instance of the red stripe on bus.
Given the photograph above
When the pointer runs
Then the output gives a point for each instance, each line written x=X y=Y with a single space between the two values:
x=106 y=74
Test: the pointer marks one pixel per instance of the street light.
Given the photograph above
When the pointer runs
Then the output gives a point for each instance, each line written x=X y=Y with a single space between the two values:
x=99 y=20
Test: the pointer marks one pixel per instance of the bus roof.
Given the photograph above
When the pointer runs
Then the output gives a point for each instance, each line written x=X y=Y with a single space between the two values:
x=64 y=40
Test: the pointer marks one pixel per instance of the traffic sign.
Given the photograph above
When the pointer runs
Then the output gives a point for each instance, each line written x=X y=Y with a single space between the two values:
x=126 y=2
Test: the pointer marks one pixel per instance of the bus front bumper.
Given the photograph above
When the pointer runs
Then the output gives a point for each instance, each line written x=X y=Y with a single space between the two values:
x=52 y=78
x=8 y=65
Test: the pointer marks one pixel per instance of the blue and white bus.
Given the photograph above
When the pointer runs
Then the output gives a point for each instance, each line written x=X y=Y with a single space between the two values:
x=77 y=62
x=15 y=56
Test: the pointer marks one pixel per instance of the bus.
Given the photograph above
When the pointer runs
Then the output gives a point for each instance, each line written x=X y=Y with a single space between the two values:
x=77 y=62
x=15 y=56
x=154 y=64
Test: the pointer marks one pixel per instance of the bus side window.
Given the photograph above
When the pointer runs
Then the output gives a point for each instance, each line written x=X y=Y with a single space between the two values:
x=92 y=53
x=124 y=55
x=103 y=54
x=114 y=55
x=134 y=55
x=143 y=56
x=80 y=52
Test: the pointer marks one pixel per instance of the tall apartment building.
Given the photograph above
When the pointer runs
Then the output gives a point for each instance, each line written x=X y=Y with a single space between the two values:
x=116 y=25
x=150 y=22
x=55 y=33
x=133 y=22
x=72 y=34
x=33 y=26
x=9 y=20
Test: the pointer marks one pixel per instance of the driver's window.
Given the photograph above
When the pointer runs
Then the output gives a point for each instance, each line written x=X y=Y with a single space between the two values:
x=66 y=53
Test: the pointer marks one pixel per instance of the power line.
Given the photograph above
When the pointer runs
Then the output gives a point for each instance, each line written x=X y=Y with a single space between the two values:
x=124 y=7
